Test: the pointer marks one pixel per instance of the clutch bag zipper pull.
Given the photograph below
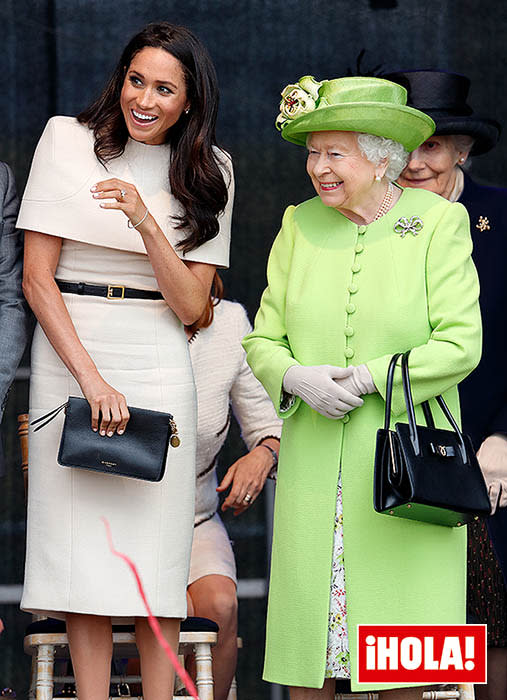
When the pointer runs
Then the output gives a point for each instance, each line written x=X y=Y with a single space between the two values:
x=49 y=416
x=174 y=439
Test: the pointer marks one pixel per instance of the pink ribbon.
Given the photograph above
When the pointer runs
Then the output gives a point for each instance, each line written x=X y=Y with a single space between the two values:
x=182 y=673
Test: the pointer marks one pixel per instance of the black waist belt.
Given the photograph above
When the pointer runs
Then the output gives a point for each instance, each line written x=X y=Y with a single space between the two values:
x=109 y=291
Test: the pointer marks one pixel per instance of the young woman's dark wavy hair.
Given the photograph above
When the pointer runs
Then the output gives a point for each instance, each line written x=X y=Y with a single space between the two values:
x=195 y=177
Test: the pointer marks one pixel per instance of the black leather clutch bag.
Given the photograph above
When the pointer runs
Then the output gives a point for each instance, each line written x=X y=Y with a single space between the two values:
x=140 y=453
x=426 y=473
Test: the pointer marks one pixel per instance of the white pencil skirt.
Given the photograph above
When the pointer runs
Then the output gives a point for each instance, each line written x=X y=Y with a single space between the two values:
x=140 y=348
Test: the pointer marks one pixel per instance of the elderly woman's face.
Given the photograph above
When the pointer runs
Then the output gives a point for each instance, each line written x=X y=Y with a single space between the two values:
x=431 y=166
x=340 y=173
x=153 y=95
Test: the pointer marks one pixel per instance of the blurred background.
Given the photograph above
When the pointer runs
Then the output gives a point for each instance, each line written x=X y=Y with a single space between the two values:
x=56 y=56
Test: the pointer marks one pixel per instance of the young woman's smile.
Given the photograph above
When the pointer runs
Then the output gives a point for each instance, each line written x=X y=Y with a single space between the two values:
x=154 y=95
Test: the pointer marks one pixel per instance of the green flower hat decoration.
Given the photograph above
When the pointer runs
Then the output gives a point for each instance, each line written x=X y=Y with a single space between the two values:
x=362 y=104
x=298 y=99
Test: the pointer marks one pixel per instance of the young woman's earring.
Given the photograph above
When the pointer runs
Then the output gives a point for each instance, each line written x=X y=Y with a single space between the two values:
x=187 y=110
x=378 y=178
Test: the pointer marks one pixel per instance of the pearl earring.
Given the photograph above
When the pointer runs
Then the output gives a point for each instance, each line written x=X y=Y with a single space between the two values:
x=461 y=161
x=187 y=110
x=378 y=178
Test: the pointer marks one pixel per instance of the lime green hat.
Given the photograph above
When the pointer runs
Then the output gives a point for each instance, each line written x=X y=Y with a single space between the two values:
x=368 y=105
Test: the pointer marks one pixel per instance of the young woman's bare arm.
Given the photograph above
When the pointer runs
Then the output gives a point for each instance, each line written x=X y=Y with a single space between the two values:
x=42 y=253
x=184 y=285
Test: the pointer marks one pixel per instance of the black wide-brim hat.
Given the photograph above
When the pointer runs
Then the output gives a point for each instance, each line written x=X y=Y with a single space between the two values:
x=443 y=96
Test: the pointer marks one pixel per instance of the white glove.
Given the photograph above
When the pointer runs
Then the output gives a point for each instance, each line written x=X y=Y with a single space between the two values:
x=492 y=457
x=321 y=388
x=359 y=382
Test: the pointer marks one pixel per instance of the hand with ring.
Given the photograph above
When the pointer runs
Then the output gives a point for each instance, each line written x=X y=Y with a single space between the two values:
x=246 y=478
x=123 y=196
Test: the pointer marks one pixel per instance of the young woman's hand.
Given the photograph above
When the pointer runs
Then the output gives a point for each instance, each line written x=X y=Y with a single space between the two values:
x=246 y=478
x=128 y=199
x=109 y=407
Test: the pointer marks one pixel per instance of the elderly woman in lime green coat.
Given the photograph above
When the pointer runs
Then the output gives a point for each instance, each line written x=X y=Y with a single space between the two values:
x=356 y=274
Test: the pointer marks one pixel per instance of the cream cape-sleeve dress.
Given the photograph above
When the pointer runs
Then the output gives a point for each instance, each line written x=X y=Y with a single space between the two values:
x=140 y=348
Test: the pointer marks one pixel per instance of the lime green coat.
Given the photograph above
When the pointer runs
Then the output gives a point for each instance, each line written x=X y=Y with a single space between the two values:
x=343 y=294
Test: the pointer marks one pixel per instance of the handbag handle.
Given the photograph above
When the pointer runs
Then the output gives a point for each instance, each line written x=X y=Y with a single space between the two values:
x=409 y=404
x=389 y=394
x=428 y=416
x=389 y=389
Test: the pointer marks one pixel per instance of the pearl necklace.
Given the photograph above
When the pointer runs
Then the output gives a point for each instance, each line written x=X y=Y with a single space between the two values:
x=386 y=203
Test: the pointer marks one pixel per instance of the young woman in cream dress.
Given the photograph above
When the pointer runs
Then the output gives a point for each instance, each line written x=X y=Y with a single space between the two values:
x=134 y=198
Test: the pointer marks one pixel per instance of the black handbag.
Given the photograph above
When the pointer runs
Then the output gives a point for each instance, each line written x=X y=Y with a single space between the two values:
x=426 y=473
x=140 y=453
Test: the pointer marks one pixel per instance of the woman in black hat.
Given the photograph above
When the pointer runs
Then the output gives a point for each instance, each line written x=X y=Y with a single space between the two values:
x=437 y=166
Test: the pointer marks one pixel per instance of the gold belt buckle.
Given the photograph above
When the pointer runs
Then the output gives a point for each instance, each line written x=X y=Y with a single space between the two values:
x=112 y=295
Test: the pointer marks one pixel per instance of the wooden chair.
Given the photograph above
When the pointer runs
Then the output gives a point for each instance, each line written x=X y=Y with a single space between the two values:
x=23 y=441
x=46 y=641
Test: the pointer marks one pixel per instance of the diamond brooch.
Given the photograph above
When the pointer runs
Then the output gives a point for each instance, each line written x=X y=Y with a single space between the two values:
x=405 y=225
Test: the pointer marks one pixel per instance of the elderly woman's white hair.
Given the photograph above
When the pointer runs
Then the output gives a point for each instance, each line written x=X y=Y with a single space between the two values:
x=376 y=148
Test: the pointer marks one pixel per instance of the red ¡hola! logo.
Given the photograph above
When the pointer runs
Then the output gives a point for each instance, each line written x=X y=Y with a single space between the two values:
x=421 y=653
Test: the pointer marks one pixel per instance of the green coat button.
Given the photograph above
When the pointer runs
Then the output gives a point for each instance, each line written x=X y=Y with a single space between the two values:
x=359 y=248
x=346 y=418
x=349 y=331
x=350 y=308
x=355 y=267
x=362 y=229
x=348 y=352
x=353 y=288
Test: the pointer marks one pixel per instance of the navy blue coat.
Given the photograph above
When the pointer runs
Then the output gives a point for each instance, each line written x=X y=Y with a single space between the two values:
x=483 y=393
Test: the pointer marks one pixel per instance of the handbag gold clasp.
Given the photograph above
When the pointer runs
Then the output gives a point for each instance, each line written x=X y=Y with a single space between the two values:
x=111 y=291
x=442 y=450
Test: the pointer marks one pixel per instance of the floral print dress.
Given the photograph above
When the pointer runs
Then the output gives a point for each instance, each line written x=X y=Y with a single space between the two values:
x=338 y=655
